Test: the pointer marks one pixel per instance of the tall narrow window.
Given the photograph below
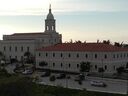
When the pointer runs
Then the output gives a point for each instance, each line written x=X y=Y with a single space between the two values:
x=77 y=55
x=77 y=65
x=10 y=48
x=113 y=55
x=105 y=67
x=53 y=54
x=53 y=64
x=86 y=55
x=4 y=48
x=28 y=49
x=15 y=57
x=39 y=54
x=95 y=66
x=69 y=55
x=69 y=65
x=95 y=56
x=10 y=57
x=105 y=56
x=61 y=64
x=15 y=49
x=46 y=54
x=22 y=49
x=52 y=28
x=47 y=28
x=22 y=58
x=61 y=55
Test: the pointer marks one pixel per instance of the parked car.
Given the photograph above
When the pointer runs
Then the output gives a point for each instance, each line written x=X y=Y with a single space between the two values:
x=98 y=83
x=79 y=77
x=61 y=76
x=45 y=74
x=19 y=70
x=27 y=72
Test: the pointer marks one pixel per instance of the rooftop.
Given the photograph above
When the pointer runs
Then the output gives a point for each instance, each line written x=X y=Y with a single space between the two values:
x=91 y=47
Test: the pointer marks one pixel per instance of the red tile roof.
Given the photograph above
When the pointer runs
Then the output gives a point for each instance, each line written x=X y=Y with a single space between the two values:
x=91 y=47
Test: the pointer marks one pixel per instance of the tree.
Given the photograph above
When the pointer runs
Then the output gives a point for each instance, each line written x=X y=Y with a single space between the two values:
x=101 y=70
x=29 y=57
x=120 y=70
x=127 y=65
x=85 y=66
x=1 y=55
x=43 y=63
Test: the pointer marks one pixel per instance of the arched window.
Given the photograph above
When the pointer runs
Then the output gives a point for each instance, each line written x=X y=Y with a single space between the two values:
x=105 y=67
x=77 y=65
x=52 y=28
x=69 y=65
x=95 y=56
x=47 y=28
x=61 y=64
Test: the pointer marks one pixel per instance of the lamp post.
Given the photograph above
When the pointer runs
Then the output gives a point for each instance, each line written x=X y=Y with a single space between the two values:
x=66 y=76
x=127 y=84
x=65 y=72
x=102 y=68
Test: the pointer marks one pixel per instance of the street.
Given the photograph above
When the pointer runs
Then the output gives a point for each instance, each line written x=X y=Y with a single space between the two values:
x=113 y=85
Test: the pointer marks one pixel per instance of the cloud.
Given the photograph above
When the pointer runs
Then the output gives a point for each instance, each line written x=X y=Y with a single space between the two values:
x=37 y=7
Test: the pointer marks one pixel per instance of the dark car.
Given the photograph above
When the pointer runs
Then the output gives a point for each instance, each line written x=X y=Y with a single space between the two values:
x=79 y=77
x=61 y=76
x=46 y=74
x=19 y=70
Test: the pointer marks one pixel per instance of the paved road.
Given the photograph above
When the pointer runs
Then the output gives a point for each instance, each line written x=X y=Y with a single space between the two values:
x=113 y=86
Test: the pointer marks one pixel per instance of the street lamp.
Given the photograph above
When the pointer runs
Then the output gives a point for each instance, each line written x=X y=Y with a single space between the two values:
x=66 y=72
x=102 y=68
x=127 y=83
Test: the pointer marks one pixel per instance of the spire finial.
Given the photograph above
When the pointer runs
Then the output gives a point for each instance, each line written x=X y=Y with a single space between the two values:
x=49 y=8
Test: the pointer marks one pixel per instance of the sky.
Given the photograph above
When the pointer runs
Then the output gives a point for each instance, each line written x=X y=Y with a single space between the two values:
x=85 y=20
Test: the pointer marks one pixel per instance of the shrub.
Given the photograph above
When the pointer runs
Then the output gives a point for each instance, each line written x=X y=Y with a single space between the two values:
x=52 y=78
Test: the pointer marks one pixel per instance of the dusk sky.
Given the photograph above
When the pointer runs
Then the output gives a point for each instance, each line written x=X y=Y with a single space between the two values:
x=85 y=20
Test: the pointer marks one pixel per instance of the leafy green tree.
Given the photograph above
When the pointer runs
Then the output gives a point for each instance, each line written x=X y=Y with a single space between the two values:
x=43 y=63
x=120 y=70
x=29 y=58
x=85 y=66
x=101 y=70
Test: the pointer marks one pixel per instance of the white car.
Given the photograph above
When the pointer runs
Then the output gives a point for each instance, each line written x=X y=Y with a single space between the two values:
x=27 y=72
x=98 y=83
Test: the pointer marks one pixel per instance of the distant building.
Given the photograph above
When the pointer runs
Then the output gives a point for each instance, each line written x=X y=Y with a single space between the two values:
x=68 y=56
x=14 y=46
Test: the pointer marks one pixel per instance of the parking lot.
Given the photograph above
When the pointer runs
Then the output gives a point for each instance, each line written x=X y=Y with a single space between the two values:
x=70 y=81
x=113 y=85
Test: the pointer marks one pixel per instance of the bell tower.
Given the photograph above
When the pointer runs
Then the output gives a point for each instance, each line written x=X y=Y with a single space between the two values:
x=50 y=25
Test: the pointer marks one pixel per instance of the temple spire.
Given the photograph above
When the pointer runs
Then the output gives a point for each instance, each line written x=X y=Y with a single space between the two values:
x=50 y=8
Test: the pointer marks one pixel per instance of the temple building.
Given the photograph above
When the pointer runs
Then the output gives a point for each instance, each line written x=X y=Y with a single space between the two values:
x=16 y=45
